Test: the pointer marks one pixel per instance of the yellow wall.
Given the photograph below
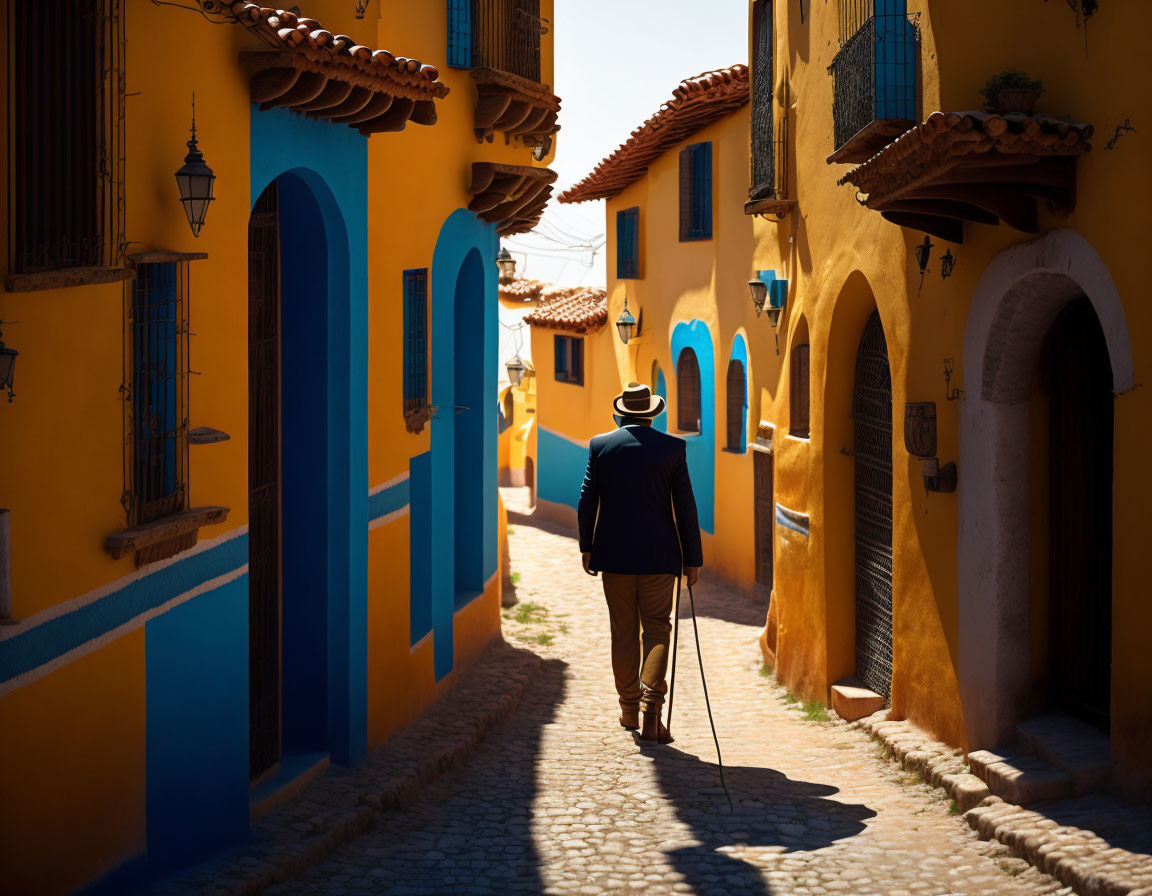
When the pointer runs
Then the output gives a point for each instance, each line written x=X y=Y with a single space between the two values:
x=843 y=262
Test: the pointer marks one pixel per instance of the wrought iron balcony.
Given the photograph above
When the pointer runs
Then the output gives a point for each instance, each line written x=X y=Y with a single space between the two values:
x=874 y=89
x=499 y=34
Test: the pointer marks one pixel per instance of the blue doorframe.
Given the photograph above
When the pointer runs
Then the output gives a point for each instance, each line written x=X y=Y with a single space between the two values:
x=701 y=449
x=463 y=508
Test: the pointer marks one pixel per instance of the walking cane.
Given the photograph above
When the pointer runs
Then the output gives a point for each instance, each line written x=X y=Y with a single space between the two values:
x=703 y=681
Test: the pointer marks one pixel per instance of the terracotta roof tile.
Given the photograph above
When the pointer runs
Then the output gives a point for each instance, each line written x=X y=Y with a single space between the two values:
x=580 y=309
x=695 y=104
x=522 y=290
x=335 y=77
x=945 y=137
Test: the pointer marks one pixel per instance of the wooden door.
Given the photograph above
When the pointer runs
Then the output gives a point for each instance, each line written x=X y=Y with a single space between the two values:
x=1078 y=377
x=872 y=427
x=264 y=484
x=765 y=505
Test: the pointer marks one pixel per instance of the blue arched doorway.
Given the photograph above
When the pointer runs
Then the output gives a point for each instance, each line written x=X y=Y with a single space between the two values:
x=299 y=477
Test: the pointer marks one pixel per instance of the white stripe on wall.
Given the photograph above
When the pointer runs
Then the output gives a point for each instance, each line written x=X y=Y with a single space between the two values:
x=389 y=517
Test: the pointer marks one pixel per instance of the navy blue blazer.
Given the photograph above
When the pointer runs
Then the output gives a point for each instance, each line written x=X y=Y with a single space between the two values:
x=636 y=477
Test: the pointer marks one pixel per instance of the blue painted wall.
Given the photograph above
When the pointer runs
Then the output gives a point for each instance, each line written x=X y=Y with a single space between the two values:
x=472 y=345
x=420 y=545
x=331 y=161
x=740 y=353
x=197 y=726
x=661 y=387
x=701 y=449
x=561 y=468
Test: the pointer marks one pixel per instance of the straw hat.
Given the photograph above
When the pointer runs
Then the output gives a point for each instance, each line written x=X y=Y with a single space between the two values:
x=637 y=400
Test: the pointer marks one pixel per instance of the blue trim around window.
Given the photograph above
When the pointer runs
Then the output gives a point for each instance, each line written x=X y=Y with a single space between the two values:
x=628 y=244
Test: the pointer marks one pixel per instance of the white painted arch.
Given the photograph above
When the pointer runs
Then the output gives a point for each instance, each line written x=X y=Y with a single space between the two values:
x=1016 y=301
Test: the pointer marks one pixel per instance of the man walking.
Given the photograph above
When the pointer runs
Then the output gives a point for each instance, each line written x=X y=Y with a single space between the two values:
x=636 y=477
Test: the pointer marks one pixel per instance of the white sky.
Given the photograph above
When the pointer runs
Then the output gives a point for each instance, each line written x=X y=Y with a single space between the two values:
x=616 y=62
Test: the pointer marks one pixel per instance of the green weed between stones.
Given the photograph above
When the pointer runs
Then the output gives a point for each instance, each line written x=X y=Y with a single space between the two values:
x=954 y=809
x=515 y=577
x=815 y=711
x=765 y=671
x=790 y=698
x=528 y=613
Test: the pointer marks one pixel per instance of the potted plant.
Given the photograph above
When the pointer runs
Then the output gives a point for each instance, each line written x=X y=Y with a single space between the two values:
x=1011 y=91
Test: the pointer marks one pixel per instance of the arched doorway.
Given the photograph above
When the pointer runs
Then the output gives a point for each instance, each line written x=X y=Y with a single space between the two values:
x=1076 y=376
x=471 y=397
x=292 y=430
x=872 y=428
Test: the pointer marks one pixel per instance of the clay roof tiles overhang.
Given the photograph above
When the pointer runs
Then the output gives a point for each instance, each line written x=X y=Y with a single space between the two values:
x=973 y=166
x=575 y=309
x=695 y=104
x=317 y=73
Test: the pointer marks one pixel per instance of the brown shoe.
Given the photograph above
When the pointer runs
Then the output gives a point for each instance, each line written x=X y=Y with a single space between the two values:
x=630 y=720
x=654 y=729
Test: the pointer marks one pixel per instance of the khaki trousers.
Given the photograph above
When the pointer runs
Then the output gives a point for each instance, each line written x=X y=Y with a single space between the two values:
x=640 y=604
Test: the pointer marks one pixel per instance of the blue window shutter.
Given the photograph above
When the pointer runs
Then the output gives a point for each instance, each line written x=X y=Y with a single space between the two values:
x=460 y=33
x=628 y=243
x=415 y=338
x=560 y=366
x=702 y=190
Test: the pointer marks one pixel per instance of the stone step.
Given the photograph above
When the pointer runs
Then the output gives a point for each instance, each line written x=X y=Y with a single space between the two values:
x=1020 y=779
x=853 y=701
x=1070 y=745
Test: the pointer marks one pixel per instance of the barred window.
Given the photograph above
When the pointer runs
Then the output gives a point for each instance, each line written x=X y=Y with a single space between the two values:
x=688 y=392
x=65 y=136
x=158 y=392
x=569 y=366
x=696 y=192
x=415 y=339
x=800 y=391
x=628 y=243
x=763 y=140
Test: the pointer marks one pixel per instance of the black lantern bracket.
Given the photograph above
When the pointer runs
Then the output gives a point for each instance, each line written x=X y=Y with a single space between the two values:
x=7 y=362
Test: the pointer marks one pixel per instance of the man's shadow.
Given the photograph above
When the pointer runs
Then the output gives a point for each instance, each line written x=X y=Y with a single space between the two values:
x=768 y=809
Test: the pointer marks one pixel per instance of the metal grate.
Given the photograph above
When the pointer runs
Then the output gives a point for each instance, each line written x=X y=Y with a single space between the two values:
x=415 y=339
x=763 y=144
x=155 y=389
x=765 y=511
x=65 y=134
x=874 y=73
x=688 y=392
x=264 y=566
x=696 y=192
x=505 y=35
x=737 y=401
x=628 y=243
x=872 y=416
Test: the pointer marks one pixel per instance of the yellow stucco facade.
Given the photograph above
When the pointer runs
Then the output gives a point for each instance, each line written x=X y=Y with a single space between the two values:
x=969 y=581
x=107 y=668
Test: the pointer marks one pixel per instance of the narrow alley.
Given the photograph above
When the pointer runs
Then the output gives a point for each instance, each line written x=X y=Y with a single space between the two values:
x=560 y=799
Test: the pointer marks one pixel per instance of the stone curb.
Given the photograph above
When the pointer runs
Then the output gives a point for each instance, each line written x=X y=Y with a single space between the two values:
x=347 y=803
x=1075 y=857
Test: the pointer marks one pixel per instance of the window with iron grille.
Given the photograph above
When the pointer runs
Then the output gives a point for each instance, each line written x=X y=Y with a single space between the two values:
x=415 y=339
x=499 y=34
x=763 y=161
x=65 y=134
x=628 y=243
x=688 y=392
x=569 y=366
x=157 y=392
x=800 y=392
x=737 y=404
x=696 y=192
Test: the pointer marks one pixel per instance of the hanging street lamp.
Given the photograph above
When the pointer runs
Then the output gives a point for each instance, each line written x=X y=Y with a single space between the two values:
x=777 y=298
x=516 y=368
x=947 y=263
x=507 y=265
x=626 y=324
x=7 y=366
x=759 y=290
x=195 y=180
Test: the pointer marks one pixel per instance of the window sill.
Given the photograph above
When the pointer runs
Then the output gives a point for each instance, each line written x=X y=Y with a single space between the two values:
x=206 y=435
x=780 y=208
x=799 y=437
x=63 y=278
x=170 y=532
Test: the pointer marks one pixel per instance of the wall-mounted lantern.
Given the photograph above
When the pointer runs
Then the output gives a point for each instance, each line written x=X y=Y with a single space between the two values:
x=7 y=366
x=626 y=324
x=507 y=265
x=195 y=180
x=759 y=291
x=516 y=368
x=947 y=263
x=768 y=294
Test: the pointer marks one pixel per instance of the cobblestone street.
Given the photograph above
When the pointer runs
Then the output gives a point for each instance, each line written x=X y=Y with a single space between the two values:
x=560 y=799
